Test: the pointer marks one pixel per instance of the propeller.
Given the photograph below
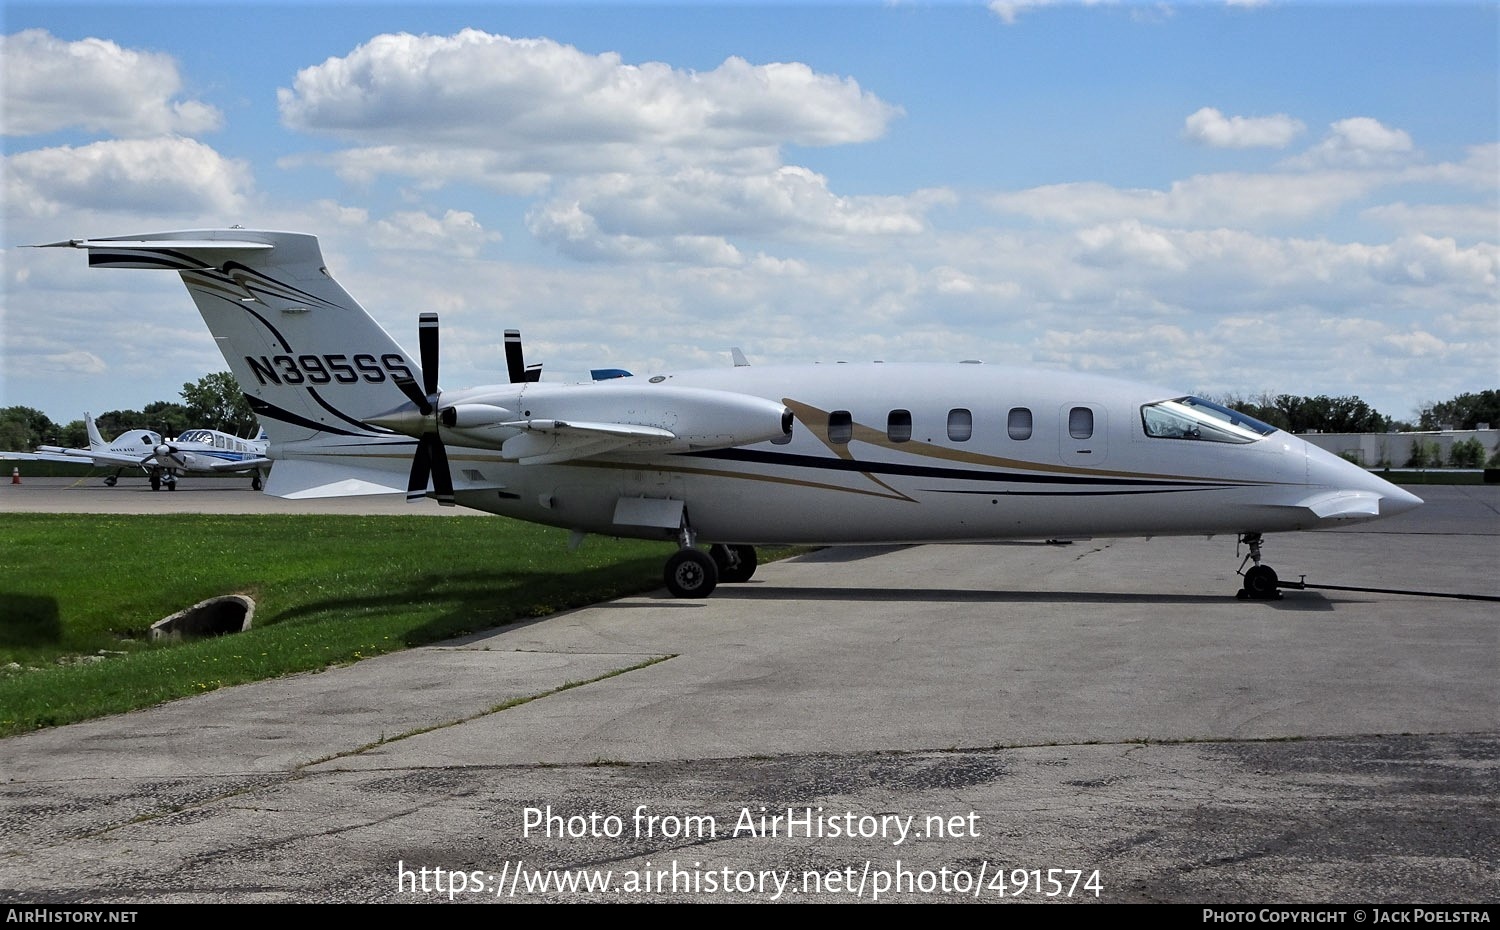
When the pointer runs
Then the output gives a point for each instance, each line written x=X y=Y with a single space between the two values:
x=431 y=459
x=422 y=418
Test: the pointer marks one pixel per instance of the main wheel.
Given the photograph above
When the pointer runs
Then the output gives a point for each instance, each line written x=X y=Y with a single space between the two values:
x=735 y=563
x=110 y=481
x=255 y=483
x=1260 y=581
x=156 y=482
x=691 y=573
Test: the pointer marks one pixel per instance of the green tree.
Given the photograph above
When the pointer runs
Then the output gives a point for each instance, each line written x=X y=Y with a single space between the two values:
x=24 y=428
x=216 y=402
x=112 y=423
x=166 y=417
x=1425 y=453
x=1466 y=453
x=1466 y=411
x=73 y=436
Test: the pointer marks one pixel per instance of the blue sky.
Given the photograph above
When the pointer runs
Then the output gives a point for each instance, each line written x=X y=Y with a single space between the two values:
x=1215 y=197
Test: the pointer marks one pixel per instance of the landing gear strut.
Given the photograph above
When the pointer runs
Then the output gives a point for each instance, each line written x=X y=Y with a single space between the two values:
x=1260 y=580
x=735 y=563
x=690 y=571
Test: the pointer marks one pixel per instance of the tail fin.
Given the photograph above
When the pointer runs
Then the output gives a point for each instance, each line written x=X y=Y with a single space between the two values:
x=312 y=363
x=96 y=441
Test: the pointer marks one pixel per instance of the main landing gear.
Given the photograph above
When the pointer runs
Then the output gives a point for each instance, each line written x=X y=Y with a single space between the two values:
x=691 y=572
x=1260 y=581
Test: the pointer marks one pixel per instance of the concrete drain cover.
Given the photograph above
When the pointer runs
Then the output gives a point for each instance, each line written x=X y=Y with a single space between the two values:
x=213 y=617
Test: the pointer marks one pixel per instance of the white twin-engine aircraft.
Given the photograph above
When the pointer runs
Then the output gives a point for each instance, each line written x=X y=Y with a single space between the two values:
x=195 y=452
x=739 y=456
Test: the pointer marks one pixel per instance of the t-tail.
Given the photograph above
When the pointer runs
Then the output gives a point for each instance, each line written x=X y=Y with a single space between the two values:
x=312 y=363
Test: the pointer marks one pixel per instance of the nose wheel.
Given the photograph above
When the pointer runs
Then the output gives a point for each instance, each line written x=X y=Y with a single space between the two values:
x=1261 y=583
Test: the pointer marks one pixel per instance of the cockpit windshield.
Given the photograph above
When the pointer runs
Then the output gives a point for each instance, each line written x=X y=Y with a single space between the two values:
x=1203 y=420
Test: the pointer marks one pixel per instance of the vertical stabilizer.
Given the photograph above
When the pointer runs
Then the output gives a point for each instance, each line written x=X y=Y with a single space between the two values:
x=96 y=441
x=309 y=358
x=312 y=363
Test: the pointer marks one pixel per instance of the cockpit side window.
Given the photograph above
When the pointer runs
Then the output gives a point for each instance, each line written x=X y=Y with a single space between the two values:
x=1201 y=420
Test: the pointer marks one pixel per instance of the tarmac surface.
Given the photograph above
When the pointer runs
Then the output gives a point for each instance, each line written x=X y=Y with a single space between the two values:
x=1020 y=722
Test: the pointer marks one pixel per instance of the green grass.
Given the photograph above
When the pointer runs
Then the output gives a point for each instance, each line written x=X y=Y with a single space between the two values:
x=78 y=594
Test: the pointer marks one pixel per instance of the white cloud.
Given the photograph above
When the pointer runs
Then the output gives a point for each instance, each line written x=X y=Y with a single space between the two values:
x=1210 y=127
x=789 y=203
x=1203 y=200
x=1466 y=220
x=95 y=85
x=1358 y=142
x=456 y=232
x=476 y=90
x=1008 y=10
x=642 y=162
x=167 y=176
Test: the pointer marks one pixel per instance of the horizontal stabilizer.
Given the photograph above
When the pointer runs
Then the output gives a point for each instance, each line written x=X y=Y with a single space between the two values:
x=297 y=480
x=179 y=244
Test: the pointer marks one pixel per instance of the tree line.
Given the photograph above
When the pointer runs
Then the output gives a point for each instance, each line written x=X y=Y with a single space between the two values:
x=212 y=402
x=216 y=402
x=1324 y=414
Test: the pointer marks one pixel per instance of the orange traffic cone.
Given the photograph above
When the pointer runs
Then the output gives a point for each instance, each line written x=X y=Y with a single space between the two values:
x=15 y=475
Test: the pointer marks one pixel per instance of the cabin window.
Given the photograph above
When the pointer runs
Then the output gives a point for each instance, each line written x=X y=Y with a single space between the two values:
x=1198 y=419
x=840 y=427
x=960 y=424
x=1018 y=423
x=898 y=426
x=1080 y=423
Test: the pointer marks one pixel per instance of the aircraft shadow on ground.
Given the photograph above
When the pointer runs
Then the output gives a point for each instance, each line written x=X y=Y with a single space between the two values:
x=29 y=620
x=1293 y=600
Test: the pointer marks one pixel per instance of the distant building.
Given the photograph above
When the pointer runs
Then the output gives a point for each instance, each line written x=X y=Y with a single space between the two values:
x=1394 y=450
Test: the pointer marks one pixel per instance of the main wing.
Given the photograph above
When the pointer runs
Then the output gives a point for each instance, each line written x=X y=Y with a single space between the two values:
x=241 y=465
x=76 y=457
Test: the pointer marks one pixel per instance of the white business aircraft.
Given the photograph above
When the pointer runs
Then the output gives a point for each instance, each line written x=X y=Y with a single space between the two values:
x=744 y=455
x=196 y=451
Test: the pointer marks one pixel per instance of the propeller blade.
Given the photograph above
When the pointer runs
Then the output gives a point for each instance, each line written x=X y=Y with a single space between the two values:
x=413 y=394
x=514 y=360
x=421 y=467
x=442 y=478
x=427 y=341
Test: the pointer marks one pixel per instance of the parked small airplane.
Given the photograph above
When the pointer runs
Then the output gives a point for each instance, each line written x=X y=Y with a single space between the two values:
x=195 y=452
x=744 y=455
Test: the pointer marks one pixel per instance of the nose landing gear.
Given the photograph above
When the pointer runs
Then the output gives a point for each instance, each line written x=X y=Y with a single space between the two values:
x=1261 y=582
